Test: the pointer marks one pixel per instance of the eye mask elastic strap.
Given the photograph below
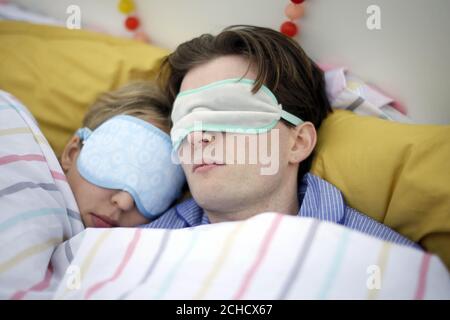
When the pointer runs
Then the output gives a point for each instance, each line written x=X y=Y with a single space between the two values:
x=291 y=118
x=83 y=133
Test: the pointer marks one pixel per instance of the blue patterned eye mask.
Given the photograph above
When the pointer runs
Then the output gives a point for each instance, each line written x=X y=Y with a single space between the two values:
x=130 y=154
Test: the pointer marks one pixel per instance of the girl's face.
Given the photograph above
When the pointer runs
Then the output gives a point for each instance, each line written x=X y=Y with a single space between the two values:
x=99 y=207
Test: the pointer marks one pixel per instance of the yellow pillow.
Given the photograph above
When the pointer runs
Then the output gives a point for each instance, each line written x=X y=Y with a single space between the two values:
x=396 y=173
x=58 y=73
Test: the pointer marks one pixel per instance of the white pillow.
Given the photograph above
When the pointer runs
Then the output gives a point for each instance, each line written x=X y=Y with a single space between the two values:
x=38 y=210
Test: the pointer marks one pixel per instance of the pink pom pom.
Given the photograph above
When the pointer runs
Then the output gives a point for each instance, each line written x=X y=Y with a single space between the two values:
x=141 y=36
x=294 y=11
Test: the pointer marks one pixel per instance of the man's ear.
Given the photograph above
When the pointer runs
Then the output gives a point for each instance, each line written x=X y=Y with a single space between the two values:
x=70 y=153
x=303 y=141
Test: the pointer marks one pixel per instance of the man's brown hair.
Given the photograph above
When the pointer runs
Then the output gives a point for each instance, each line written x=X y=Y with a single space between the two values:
x=280 y=62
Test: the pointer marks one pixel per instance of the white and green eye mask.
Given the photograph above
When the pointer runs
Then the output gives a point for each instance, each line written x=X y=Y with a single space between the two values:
x=130 y=154
x=226 y=106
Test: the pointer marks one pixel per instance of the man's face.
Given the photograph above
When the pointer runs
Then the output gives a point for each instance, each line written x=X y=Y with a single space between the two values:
x=218 y=178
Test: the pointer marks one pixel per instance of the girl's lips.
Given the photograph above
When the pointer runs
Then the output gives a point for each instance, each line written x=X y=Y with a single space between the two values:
x=102 y=222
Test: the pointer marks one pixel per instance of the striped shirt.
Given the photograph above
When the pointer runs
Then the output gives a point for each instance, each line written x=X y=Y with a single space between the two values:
x=318 y=198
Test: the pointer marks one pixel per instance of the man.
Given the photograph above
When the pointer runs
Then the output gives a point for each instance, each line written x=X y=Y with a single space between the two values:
x=206 y=79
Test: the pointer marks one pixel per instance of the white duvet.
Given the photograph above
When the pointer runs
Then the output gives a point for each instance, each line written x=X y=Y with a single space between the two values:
x=45 y=253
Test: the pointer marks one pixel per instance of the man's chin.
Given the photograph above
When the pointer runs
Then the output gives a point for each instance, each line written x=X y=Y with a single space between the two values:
x=212 y=199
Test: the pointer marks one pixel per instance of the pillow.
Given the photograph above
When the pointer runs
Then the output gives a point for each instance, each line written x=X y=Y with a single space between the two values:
x=38 y=209
x=396 y=173
x=58 y=73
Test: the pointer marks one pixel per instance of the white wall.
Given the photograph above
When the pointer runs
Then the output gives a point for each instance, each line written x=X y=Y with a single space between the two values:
x=408 y=58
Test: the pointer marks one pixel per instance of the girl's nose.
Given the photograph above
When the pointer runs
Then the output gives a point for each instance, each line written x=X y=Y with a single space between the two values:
x=123 y=200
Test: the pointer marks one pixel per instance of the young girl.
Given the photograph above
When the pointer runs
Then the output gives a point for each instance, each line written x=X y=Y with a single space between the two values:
x=118 y=171
x=119 y=164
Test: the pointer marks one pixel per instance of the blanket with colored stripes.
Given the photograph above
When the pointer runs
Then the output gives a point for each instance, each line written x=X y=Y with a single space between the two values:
x=37 y=208
x=270 y=256
x=44 y=252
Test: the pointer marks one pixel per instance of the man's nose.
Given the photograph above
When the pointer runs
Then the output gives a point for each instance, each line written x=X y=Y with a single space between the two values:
x=201 y=138
x=123 y=200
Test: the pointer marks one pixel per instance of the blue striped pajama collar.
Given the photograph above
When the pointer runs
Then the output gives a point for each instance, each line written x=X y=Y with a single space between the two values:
x=318 y=198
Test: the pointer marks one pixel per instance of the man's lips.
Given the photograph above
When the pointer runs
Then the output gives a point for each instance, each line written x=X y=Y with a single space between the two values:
x=102 y=221
x=203 y=167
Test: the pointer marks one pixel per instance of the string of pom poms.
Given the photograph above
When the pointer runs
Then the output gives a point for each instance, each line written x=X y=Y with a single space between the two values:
x=293 y=11
x=132 y=22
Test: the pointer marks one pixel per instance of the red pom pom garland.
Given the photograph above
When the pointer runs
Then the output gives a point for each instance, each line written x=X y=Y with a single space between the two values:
x=132 y=22
x=289 y=28
x=293 y=11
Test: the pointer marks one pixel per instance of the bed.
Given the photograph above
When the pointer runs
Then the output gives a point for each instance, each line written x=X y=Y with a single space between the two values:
x=394 y=171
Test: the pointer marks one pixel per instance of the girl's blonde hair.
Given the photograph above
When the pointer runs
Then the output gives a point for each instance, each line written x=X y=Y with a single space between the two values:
x=140 y=99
